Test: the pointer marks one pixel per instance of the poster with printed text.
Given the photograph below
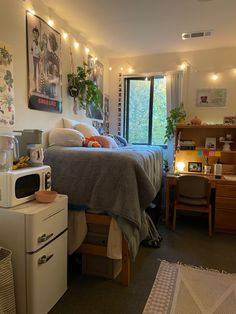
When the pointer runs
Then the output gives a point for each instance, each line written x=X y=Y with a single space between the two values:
x=7 y=108
x=44 y=65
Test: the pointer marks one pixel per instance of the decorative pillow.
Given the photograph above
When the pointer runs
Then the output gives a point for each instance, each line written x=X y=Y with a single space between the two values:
x=69 y=123
x=120 y=141
x=86 y=129
x=90 y=143
x=105 y=141
x=65 y=137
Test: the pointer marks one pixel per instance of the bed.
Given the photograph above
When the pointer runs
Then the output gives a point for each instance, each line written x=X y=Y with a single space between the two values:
x=120 y=182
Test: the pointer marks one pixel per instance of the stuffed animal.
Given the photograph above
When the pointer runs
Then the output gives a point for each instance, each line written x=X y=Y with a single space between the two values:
x=88 y=142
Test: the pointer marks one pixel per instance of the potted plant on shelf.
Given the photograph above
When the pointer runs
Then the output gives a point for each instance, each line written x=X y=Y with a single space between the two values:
x=176 y=115
x=83 y=89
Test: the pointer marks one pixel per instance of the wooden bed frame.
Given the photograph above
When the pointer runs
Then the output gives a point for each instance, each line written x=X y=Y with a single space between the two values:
x=99 y=250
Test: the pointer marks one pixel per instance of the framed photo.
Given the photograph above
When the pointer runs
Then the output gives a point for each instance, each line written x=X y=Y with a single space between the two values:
x=194 y=166
x=214 y=97
x=44 y=65
x=230 y=120
x=210 y=143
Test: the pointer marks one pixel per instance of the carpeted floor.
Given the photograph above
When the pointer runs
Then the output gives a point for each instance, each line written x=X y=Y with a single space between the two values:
x=190 y=244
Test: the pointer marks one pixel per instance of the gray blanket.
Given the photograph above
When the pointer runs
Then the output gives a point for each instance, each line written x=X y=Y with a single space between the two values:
x=120 y=182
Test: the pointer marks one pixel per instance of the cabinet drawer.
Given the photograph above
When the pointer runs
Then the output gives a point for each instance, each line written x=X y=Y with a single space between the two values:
x=226 y=203
x=225 y=220
x=47 y=275
x=226 y=190
x=46 y=224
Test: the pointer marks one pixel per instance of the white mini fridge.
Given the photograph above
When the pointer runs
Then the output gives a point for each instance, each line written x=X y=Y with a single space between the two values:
x=36 y=233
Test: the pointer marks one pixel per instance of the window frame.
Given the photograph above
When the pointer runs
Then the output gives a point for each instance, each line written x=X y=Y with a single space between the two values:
x=127 y=81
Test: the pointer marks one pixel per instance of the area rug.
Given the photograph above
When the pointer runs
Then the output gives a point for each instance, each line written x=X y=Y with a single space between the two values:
x=181 y=289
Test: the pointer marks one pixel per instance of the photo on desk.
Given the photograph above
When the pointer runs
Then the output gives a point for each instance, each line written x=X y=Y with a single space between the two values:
x=210 y=143
x=194 y=166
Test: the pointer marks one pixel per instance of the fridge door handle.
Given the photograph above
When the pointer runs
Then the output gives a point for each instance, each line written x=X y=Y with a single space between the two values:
x=44 y=259
x=44 y=237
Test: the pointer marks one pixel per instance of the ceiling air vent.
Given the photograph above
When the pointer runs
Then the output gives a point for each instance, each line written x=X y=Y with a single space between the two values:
x=196 y=34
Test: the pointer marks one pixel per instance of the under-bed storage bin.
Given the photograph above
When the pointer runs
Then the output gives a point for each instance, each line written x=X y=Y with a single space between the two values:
x=97 y=234
x=101 y=266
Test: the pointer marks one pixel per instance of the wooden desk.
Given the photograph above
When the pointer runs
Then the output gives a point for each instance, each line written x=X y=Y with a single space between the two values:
x=225 y=202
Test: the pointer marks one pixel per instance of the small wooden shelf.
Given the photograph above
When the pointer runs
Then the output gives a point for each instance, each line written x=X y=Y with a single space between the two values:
x=198 y=134
x=205 y=126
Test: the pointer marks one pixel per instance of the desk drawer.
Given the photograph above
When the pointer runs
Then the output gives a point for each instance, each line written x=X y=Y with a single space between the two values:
x=225 y=220
x=226 y=203
x=226 y=190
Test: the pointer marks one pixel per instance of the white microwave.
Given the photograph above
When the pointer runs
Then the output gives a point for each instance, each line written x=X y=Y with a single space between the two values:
x=18 y=186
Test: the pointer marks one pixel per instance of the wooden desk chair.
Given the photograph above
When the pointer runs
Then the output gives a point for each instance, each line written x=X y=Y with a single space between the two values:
x=193 y=194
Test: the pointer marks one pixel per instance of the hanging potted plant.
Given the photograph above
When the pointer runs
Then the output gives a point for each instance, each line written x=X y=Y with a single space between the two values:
x=176 y=115
x=83 y=89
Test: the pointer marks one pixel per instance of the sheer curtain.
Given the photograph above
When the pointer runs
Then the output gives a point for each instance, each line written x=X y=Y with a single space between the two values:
x=174 y=90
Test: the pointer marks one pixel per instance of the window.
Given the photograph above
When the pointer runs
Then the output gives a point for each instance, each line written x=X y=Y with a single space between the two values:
x=145 y=110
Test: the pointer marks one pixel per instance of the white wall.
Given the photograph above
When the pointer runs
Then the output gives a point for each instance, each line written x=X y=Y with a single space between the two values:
x=13 y=32
x=202 y=65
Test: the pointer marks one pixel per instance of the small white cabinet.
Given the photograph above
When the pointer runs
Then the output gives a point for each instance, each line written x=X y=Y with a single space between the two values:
x=36 y=234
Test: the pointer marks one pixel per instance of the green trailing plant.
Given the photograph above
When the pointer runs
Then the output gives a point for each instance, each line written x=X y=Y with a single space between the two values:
x=176 y=115
x=83 y=89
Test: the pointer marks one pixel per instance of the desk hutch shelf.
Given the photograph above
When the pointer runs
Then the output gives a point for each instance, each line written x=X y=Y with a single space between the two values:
x=225 y=190
x=198 y=134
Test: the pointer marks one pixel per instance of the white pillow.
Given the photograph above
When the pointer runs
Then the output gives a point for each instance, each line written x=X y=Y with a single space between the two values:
x=86 y=129
x=69 y=123
x=65 y=137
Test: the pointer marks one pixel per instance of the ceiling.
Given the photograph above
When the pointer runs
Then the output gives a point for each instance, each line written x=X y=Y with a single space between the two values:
x=121 y=28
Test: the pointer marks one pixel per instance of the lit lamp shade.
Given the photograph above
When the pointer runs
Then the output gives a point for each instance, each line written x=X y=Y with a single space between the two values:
x=180 y=166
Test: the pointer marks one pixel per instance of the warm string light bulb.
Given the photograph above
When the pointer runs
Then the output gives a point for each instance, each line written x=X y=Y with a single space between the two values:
x=87 y=50
x=183 y=66
x=215 y=77
x=50 y=22
x=76 y=45
x=31 y=11
x=110 y=68
x=65 y=35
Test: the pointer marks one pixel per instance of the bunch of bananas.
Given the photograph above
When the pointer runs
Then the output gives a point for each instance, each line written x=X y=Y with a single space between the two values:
x=21 y=163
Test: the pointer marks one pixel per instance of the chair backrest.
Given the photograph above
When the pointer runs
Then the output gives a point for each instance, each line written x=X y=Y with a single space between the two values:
x=193 y=186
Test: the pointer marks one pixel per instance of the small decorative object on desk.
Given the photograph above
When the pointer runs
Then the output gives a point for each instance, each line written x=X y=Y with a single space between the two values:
x=196 y=121
x=230 y=120
x=227 y=140
x=45 y=196
x=210 y=143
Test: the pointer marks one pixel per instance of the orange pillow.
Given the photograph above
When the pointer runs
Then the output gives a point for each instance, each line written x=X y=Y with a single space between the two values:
x=104 y=141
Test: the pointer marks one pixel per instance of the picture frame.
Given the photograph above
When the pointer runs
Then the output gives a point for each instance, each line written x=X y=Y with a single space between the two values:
x=210 y=143
x=194 y=166
x=230 y=120
x=44 y=65
x=212 y=97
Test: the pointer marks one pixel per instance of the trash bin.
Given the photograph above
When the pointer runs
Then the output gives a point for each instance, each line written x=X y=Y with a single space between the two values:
x=7 y=294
